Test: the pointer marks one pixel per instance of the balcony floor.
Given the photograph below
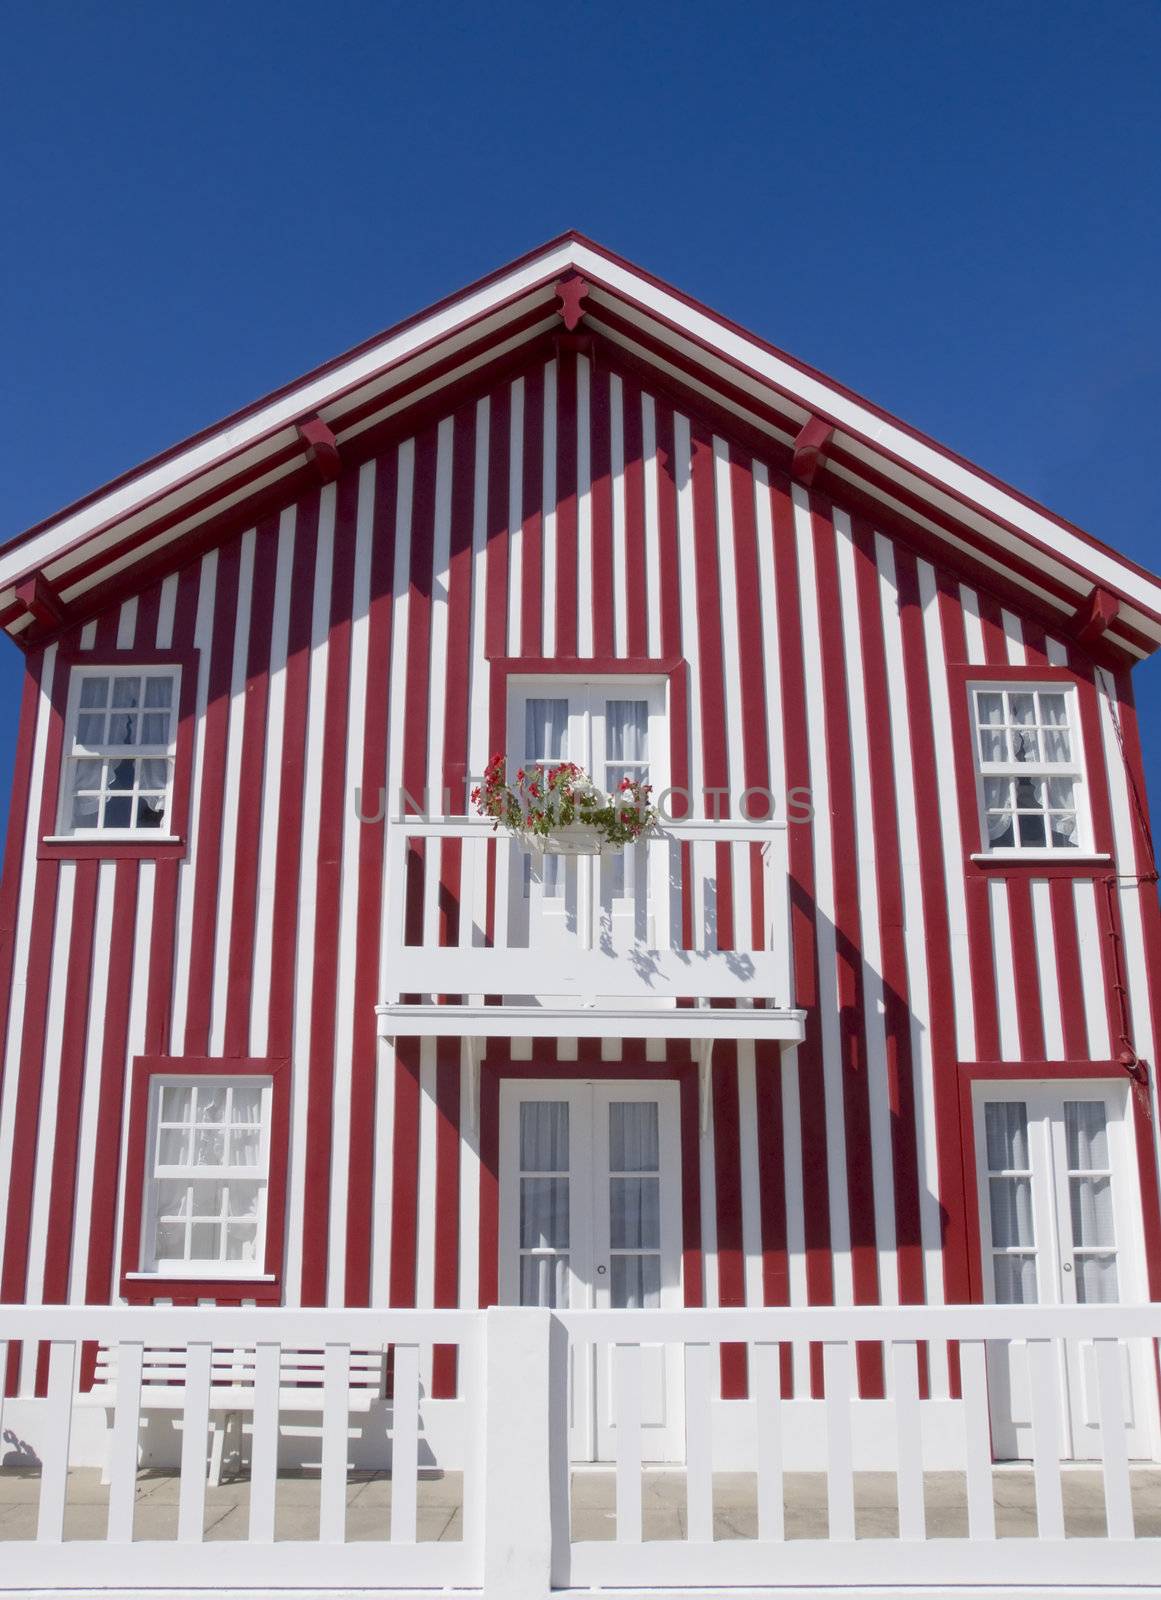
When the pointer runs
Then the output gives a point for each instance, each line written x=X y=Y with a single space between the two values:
x=440 y=1515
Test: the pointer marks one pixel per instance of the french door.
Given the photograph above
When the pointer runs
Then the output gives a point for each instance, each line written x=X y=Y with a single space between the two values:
x=1058 y=1225
x=614 y=730
x=590 y=1217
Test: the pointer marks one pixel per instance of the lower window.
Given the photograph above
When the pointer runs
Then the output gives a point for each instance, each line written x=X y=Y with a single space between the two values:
x=210 y=1146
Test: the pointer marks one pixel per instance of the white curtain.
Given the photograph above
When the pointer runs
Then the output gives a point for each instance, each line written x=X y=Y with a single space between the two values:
x=1086 y=1135
x=633 y=1136
x=545 y=730
x=1006 y=1135
x=1011 y=1210
x=626 y=730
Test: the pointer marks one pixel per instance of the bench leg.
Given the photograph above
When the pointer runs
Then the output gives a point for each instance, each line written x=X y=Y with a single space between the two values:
x=217 y=1450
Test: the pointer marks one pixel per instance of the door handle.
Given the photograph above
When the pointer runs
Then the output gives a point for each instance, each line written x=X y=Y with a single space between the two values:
x=600 y=1271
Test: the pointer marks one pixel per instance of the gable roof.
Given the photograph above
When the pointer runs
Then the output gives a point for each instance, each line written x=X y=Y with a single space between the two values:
x=152 y=518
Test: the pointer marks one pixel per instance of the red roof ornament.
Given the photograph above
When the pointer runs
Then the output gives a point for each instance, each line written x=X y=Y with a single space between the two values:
x=322 y=450
x=809 y=446
x=571 y=290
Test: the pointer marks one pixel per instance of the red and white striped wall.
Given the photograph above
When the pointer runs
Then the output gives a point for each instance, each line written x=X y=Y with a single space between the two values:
x=344 y=644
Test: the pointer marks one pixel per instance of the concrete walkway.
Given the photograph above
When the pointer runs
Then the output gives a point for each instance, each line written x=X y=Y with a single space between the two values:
x=440 y=1496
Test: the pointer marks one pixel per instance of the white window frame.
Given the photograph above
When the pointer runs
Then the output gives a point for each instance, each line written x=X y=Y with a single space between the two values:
x=1073 y=770
x=72 y=751
x=155 y=1175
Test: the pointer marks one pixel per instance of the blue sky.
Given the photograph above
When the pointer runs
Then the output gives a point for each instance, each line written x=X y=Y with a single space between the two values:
x=954 y=209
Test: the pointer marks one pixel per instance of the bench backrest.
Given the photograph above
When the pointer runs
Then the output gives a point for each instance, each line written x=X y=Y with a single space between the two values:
x=232 y=1367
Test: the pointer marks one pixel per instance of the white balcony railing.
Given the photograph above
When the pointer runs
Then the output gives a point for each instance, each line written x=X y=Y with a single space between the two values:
x=518 y=1519
x=697 y=914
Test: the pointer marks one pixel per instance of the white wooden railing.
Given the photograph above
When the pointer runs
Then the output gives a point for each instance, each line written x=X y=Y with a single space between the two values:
x=698 y=911
x=517 y=1540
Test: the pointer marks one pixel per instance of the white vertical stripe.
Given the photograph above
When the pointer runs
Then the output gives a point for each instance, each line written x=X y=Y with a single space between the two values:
x=874 y=1009
x=795 y=1210
x=425 y=1182
x=620 y=557
x=127 y=624
x=349 y=893
x=709 y=1198
x=440 y=577
x=515 y=515
x=972 y=627
x=1050 y=1008
x=166 y=607
x=728 y=610
x=1056 y=652
x=652 y=524
x=689 y=631
x=229 y=841
x=749 y=1172
x=1014 y=639
x=186 y=877
x=90 y=1095
x=88 y=636
x=548 y=519
x=824 y=896
x=42 y=1196
x=1005 y=970
x=138 y=994
x=308 y=893
x=584 y=510
x=21 y=943
x=469 y=1285
x=271 y=790
x=940 y=707
x=1096 y=1015
x=381 y=1194
x=397 y=698
x=478 y=675
x=915 y=946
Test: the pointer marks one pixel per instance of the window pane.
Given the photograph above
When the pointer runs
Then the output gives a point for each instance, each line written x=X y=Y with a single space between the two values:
x=544 y=1213
x=627 y=730
x=245 y=1147
x=121 y=774
x=1092 y=1211
x=173 y=1199
x=545 y=730
x=544 y=1136
x=990 y=708
x=205 y=1241
x=242 y=1200
x=122 y=728
x=1001 y=834
x=634 y=1213
x=1011 y=1210
x=247 y=1103
x=1063 y=830
x=634 y=1136
x=94 y=691
x=1086 y=1135
x=1053 y=709
x=1096 y=1280
x=1061 y=794
x=159 y=691
x=176 y=1103
x=544 y=1281
x=1025 y=745
x=209 y=1147
x=1015 y=1280
x=1033 y=834
x=636 y=1282
x=1057 y=745
x=1022 y=708
x=212 y=1103
x=118 y=811
x=241 y=1241
x=155 y=727
x=170 y=1244
x=91 y=729
x=992 y=746
x=173 y=1147
x=1006 y=1133
x=150 y=810
x=207 y=1199
x=127 y=691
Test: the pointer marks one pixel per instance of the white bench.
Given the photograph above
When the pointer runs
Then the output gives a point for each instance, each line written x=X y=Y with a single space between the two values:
x=300 y=1387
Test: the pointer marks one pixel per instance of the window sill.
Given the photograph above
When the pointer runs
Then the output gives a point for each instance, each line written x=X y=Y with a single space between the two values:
x=1060 y=858
x=143 y=1288
x=113 y=846
x=200 y=1277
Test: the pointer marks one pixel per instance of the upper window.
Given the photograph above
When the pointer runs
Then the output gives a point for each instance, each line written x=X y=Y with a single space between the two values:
x=117 y=774
x=1031 y=773
x=207 y=1175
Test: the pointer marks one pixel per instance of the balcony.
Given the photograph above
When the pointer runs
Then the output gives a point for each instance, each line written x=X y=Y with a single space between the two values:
x=477 y=1492
x=684 y=935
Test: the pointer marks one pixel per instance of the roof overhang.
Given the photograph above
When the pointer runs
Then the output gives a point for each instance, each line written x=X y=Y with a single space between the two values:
x=154 y=518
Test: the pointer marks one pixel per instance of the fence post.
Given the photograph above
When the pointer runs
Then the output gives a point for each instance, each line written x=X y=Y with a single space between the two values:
x=525 y=1459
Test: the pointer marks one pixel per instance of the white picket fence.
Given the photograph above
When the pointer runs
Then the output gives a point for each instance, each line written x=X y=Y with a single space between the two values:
x=517 y=1540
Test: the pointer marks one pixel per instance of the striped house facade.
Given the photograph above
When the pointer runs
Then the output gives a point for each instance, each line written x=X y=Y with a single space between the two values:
x=544 y=497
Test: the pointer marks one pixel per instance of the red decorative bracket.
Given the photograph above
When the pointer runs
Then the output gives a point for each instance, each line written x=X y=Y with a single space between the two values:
x=812 y=440
x=322 y=449
x=570 y=291
x=1095 y=615
x=40 y=600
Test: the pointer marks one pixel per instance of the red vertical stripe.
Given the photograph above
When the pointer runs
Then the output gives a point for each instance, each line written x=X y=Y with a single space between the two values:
x=728 y=1183
x=532 y=518
x=566 y=505
x=601 y=501
x=405 y=1174
x=637 y=577
x=496 y=528
x=446 y=1289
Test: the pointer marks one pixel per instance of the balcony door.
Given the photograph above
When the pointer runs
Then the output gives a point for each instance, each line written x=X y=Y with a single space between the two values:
x=1058 y=1226
x=614 y=729
x=590 y=1217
